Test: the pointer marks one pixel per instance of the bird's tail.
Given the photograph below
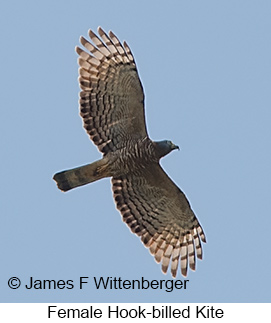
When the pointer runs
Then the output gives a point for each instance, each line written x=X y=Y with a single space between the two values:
x=82 y=175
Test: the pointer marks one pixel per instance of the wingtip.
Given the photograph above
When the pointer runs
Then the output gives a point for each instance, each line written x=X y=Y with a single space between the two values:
x=174 y=273
x=78 y=50
x=192 y=266
x=184 y=272
x=91 y=33
x=111 y=34
x=101 y=31
x=83 y=40
x=164 y=269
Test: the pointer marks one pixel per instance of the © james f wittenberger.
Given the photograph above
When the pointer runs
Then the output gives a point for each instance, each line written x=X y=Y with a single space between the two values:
x=85 y=282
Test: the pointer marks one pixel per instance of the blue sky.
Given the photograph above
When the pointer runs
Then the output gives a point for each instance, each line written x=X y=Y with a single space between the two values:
x=205 y=68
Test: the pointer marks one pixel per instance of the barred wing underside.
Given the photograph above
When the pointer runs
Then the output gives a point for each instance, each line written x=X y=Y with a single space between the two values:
x=112 y=98
x=157 y=210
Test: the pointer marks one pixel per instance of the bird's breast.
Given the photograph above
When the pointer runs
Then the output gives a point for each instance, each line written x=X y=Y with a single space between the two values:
x=133 y=158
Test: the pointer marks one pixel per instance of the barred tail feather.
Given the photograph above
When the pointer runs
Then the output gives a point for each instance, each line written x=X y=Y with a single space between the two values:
x=72 y=178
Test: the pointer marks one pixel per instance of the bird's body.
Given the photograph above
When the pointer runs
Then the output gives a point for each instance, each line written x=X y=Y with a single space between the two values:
x=134 y=158
x=112 y=108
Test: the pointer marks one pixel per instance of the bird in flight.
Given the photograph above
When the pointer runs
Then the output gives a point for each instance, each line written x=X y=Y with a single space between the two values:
x=112 y=108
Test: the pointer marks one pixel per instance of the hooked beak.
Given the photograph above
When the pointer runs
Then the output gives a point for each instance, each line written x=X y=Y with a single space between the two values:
x=175 y=147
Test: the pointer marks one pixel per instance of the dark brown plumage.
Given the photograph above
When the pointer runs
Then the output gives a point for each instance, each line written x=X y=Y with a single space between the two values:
x=112 y=108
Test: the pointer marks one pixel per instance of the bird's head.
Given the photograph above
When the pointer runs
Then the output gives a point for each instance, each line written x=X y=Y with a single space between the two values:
x=164 y=147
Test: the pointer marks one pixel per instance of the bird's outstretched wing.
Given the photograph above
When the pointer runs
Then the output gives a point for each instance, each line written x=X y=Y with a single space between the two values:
x=112 y=98
x=157 y=210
